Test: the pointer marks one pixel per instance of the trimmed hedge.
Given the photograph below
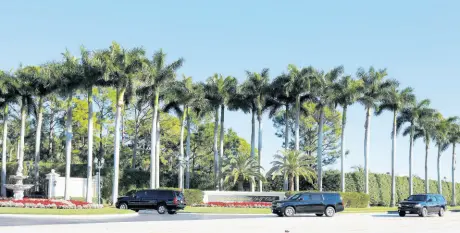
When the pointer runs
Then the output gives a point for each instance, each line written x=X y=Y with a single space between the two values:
x=192 y=196
x=350 y=199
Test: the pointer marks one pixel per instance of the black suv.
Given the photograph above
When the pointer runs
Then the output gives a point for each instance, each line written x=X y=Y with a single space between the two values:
x=423 y=205
x=317 y=203
x=160 y=200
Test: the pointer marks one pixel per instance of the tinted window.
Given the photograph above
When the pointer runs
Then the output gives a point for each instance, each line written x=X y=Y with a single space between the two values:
x=331 y=196
x=305 y=197
x=165 y=194
x=152 y=193
x=417 y=198
x=440 y=198
x=141 y=194
x=316 y=197
x=294 y=197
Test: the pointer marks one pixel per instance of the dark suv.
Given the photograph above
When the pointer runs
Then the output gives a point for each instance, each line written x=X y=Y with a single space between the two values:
x=423 y=205
x=160 y=200
x=316 y=203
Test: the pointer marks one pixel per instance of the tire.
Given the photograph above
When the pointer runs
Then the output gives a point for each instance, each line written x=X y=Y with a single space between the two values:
x=123 y=206
x=402 y=214
x=319 y=215
x=424 y=212
x=161 y=209
x=330 y=211
x=441 y=212
x=289 y=211
x=172 y=212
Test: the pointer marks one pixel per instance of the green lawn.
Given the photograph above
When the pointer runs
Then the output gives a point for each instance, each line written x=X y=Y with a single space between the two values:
x=223 y=210
x=106 y=210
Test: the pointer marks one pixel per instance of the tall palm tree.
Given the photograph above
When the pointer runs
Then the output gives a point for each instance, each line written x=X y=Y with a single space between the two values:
x=324 y=96
x=375 y=85
x=442 y=142
x=218 y=91
x=241 y=168
x=395 y=101
x=412 y=114
x=454 y=138
x=155 y=75
x=292 y=163
x=91 y=64
x=298 y=86
x=425 y=128
x=279 y=98
x=257 y=86
x=8 y=87
x=121 y=67
x=347 y=92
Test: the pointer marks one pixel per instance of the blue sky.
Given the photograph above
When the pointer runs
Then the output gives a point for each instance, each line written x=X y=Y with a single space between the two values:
x=418 y=41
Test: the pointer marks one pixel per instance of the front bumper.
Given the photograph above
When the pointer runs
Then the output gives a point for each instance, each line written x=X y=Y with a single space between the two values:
x=410 y=210
x=277 y=210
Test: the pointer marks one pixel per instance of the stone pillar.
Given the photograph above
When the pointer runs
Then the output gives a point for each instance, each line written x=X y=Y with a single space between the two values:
x=51 y=177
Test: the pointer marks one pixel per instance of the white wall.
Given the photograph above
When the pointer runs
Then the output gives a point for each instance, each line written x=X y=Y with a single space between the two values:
x=233 y=196
x=77 y=187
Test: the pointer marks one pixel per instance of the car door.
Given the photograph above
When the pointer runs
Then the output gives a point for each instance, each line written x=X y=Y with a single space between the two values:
x=432 y=204
x=302 y=203
x=316 y=203
x=135 y=200
x=150 y=200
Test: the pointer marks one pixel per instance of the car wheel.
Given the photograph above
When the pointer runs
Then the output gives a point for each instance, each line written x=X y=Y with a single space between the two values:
x=161 y=209
x=424 y=212
x=172 y=212
x=289 y=211
x=330 y=211
x=402 y=213
x=123 y=206
x=441 y=212
x=319 y=215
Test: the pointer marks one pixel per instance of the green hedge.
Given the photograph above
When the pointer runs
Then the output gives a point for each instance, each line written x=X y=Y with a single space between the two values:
x=192 y=196
x=350 y=199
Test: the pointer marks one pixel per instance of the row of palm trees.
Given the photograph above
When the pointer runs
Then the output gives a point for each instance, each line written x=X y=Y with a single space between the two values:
x=131 y=73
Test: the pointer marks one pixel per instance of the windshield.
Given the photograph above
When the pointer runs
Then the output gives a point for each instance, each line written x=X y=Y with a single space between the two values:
x=294 y=197
x=417 y=198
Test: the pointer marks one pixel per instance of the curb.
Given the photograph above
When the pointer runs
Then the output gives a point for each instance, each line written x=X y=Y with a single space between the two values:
x=56 y=216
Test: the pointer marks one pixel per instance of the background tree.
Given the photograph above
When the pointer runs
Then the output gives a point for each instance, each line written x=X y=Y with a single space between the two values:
x=346 y=93
x=395 y=101
x=240 y=168
x=442 y=142
x=374 y=88
x=454 y=138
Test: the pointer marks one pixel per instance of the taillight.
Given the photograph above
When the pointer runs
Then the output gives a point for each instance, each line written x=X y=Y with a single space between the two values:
x=175 y=200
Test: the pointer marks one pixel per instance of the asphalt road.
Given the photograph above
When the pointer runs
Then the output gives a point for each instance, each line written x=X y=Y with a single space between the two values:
x=141 y=217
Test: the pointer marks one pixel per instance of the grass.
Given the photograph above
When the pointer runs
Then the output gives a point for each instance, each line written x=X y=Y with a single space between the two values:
x=224 y=210
x=106 y=210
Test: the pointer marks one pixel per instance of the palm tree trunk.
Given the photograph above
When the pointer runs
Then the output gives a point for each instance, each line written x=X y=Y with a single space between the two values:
x=427 y=181
x=216 y=153
x=453 y=203
x=253 y=146
x=157 y=155
x=180 y=179
x=393 y=157
x=37 y=142
x=68 y=146
x=89 y=179
x=367 y=135
x=116 y=154
x=5 y=135
x=22 y=135
x=51 y=134
x=342 y=149
x=221 y=147
x=187 y=152
x=292 y=183
x=259 y=118
x=439 y=170
x=297 y=183
x=320 y=150
x=153 y=140
x=101 y=145
x=297 y=123
x=286 y=142
x=240 y=186
x=136 y=132
x=411 y=146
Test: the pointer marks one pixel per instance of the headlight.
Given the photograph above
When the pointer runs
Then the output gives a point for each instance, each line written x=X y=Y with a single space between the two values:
x=399 y=205
x=417 y=206
x=279 y=204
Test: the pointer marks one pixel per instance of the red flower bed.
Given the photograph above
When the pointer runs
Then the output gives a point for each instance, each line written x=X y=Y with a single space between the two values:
x=47 y=203
x=239 y=204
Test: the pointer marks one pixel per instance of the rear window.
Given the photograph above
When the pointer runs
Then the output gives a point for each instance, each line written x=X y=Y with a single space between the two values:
x=331 y=196
x=316 y=197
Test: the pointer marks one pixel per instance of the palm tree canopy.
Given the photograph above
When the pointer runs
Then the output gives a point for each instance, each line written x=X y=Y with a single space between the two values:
x=442 y=134
x=295 y=163
x=241 y=167
x=256 y=88
x=219 y=90
x=297 y=82
x=413 y=113
x=347 y=91
x=323 y=86
x=375 y=86
x=395 y=100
